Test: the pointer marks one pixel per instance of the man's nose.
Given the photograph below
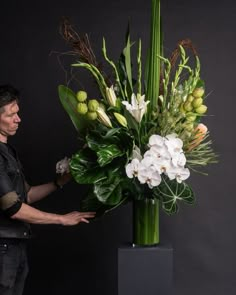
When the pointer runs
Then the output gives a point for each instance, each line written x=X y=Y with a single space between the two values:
x=17 y=119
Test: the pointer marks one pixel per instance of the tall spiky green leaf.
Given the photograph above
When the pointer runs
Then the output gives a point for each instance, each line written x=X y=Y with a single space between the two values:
x=153 y=62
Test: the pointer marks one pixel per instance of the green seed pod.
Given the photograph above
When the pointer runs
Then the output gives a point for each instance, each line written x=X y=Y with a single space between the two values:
x=82 y=108
x=93 y=105
x=188 y=106
x=197 y=102
x=81 y=96
x=190 y=98
x=201 y=110
x=198 y=92
x=92 y=115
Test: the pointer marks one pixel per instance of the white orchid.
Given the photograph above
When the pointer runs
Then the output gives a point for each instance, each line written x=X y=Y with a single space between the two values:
x=132 y=168
x=178 y=173
x=137 y=108
x=165 y=155
x=149 y=175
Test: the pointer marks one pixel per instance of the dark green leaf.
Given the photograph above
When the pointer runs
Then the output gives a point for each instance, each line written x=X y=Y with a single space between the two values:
x=84 y=168
x=108 y=153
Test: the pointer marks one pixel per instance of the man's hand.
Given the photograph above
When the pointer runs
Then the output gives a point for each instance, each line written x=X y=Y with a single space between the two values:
x=61 y=180
x=76 y=217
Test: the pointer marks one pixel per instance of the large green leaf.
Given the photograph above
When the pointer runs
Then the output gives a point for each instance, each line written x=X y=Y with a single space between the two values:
x=171 y=192
x=108 y=153
x=69 y=103
x=109 y=191
x=84 y=168
x=91 y=203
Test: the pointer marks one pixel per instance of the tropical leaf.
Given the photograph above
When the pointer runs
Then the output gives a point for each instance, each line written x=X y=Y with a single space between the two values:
x=109 y=191
x=171 y=192
x=84 y=168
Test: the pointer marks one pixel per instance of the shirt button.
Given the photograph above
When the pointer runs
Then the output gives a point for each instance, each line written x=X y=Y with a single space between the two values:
x=25 y=234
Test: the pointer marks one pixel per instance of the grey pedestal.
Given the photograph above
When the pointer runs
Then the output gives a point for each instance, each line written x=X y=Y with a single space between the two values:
x=145 y=270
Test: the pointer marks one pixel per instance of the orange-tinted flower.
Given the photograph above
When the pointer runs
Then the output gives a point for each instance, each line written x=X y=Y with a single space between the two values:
x=200 y=133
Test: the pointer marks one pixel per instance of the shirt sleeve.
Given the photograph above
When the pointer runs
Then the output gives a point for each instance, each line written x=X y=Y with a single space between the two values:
x=10 y=202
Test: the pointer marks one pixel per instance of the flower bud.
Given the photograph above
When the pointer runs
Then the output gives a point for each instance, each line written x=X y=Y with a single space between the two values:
x=188 y=106
x=103 y=118
x=121 y=119
x=189 y=126
x=190 y=98
x=197 y=102
x=201 y=110
x=91 y=116
x=93 y=105
x=82 y=108
x=111 y=96
x=198 y=92
x=191 y=117
x=81 y=96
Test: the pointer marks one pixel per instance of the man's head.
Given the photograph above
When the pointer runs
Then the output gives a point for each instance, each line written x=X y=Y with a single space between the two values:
x=9 y=119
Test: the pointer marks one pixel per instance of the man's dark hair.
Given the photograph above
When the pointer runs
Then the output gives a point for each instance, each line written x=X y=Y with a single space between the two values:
x=8 y=94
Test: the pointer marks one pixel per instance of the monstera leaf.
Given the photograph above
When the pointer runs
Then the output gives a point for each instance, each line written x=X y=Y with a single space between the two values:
x=171 y=192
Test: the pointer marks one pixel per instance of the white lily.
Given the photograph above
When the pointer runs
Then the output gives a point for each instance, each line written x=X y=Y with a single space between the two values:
x=111 y=96
x=137 y=108
x=103 y=118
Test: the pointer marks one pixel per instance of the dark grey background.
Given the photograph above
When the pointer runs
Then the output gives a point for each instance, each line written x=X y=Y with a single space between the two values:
x=82 y=260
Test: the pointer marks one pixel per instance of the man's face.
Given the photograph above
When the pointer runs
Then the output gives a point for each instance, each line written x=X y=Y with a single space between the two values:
x=9 y=120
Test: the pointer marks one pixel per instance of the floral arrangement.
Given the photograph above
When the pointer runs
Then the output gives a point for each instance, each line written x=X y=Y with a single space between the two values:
x=142 y=137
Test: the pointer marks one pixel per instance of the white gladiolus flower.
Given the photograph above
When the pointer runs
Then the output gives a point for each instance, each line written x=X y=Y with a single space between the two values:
x=62 y=166
x=137 y=108
x=132 y=168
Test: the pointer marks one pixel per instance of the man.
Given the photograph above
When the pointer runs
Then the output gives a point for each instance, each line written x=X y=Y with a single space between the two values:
x=15 y=198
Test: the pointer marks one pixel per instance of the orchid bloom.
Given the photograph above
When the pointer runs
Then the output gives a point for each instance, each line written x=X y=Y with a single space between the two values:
x=132 y=168
x=137 y=108
x=178 y=173
x=147 y=173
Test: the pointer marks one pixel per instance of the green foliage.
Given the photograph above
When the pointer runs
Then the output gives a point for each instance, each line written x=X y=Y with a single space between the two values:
x=170 y=192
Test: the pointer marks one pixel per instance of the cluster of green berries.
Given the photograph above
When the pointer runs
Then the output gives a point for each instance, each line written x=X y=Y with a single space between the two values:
x=194 y=102
x=86 y=107
x=193 y=107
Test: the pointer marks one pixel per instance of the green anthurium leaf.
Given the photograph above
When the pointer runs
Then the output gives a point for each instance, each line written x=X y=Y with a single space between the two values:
x=108 y=153
x=109 y=191
x=84 y=168
x=69 y=103
x=171 y=193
